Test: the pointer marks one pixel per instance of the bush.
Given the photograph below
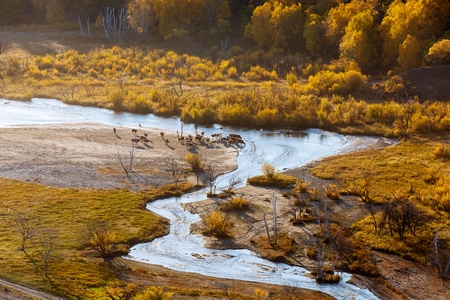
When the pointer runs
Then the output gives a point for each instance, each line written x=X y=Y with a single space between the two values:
x=291 y=78
x=117 y=98
x=218 y=225
x=342 y=83
x=279 y=180
x=301 y=187
x=442 y=151
x=268 y=170
x=236 y=203
x=332 y=191
x=439 y=53
x=259 y=73
x=154 y=292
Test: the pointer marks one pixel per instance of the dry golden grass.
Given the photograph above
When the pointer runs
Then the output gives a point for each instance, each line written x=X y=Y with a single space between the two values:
x=69 y=212
x=403 y=169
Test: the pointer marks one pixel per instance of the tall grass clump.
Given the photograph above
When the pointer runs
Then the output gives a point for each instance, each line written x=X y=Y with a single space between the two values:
x=235 y=203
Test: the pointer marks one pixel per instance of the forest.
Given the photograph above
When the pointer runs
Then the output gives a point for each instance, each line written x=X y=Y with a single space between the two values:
x=391 y=35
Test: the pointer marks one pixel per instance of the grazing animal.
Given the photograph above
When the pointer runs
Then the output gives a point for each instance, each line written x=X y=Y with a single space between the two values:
x=144 y=139
x=235 y=136
x=114 y=130
x=134 y=131
x=161 y=134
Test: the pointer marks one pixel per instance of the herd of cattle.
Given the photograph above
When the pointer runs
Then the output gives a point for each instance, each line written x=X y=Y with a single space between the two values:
x=189 y=140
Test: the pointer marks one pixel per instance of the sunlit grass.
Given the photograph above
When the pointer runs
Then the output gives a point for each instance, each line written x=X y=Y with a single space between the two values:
x=399 y=170
x=69 y=211
x=391 y=169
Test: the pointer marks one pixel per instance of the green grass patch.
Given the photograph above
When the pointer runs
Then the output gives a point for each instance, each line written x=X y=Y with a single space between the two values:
x=68 y=212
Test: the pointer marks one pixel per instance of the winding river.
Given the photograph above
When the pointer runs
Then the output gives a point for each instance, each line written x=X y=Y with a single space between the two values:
x=180 y=250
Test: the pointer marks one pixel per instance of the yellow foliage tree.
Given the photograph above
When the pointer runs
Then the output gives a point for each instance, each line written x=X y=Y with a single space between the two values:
x=409 y=53
x=439 y=53
x=312 y=34
x=360 y=39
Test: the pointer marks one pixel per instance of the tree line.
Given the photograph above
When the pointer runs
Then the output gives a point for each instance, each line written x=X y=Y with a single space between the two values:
x=393 y=34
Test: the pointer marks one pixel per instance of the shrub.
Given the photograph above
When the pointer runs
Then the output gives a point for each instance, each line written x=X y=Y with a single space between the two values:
x=360 y=263
x=301 y=186
x=236 y=203
x=259 y=73
x=267 y=117
x=235 y=115
x=268 y=170
x=311 y=253
x=218 y=225
x=442 y=151
x=278 y=180
x=154 y=292
x=291 y=78
x=314 y=193
x=117 y=98
x=332 y=191
x=439 y=53
x=342 y=83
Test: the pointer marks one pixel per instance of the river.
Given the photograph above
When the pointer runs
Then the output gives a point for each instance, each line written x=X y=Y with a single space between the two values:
x=180 y=250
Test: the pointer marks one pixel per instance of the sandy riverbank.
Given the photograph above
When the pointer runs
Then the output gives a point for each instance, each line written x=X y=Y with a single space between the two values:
x=86 y=155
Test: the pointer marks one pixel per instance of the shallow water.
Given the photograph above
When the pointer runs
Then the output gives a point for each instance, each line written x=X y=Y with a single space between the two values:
x=180 y=250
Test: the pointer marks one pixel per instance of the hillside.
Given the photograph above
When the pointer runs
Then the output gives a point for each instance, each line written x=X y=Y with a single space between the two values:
x=429 y=82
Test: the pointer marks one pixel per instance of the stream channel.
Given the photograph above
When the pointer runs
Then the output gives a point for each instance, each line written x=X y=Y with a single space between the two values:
x=180 y=250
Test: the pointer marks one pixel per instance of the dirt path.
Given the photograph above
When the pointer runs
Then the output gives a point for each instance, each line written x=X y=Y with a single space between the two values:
x=13 y=291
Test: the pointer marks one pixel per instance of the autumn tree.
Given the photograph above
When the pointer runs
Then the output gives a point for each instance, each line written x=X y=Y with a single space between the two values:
x=440 y=258
x=401 y=214
x=196 y=165
x=312 y=34
x=259 y=27
x=409 y=53
x=25 y=223
x=175 y=168
x=276 y=24
x=339 y=16
x=211 y=172
x=419 y=18
x=44 y=244
x=140 y=16
x=360 y=40
x=439 y=53
x=101 y=239
x=115 y=23
x=394 y=84
x=223 y=17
